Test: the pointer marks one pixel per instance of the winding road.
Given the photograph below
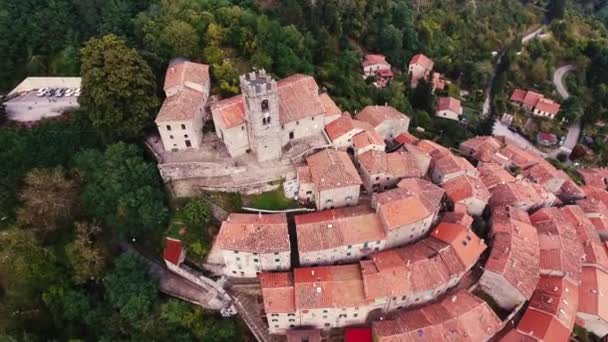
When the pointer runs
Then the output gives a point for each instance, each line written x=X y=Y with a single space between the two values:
x=574 y=131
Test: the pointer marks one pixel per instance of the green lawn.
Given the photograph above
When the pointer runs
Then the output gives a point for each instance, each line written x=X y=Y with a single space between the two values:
x=271 y=200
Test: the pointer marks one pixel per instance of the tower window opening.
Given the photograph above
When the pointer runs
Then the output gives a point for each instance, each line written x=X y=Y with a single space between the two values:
x=265 y=105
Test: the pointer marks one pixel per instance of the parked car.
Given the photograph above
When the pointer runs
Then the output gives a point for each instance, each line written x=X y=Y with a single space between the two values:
x=42 y=91
x=70 y=92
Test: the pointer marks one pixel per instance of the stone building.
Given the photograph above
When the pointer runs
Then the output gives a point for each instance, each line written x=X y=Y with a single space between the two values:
x=182 y=116
x=268 y=115
x=468 y=191
x=448 y=108
x=368 y=140
x=252 y=243
x=448 y=166
x=386 y=120
x=512 y=270
x=380 y=171
x=338 y=235
x=330 y=180
x=420 y=67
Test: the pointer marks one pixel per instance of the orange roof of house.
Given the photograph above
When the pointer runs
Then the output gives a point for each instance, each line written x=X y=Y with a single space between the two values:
x=431 y=194
x=596 y=194
x=341 y=126
x=450 y=163
x=406 y=138
x=402 y=211
x=465 y=187
x=552 y=310
x=398 y=164
x=372 y=59
x=520 y=157
x=278 y=292
x=458 y=216
x=481 y=143
x=366 y=138
x=329 y=229
x=300 y=335
x=329 y=106
x=303 y=174
x=432 y=148
x=231 y=111
x=595 y=252
x=519 y=194
x=181 y=106
x=376 y=115
x=438 y=81
x=331 y=169
x=329 y=287
x=592 y=293
x=173 y=250
x=423 y=61
x=185 y=71
x=449 y=103
x=467 y=245
x=547 y=106
x=515 y=249
x=458 y=317
x=571 y=191
x=560 y=250
x=254 y=233
x=492 y=174
x=543 y=173
x=518 y=95
x=531 y=98
x=597 y=177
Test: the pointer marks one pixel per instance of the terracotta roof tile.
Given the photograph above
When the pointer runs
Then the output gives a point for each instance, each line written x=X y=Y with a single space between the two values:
x=432 y=148
x=592 y=293
x=337 y=227
x=181 y=106
x=431 y=194
x=597 y=177
x=376 y=115
x=547 y=106
x=515 y=250
x=254 y=233
x=518 y=95
x=492 y=174
x=398 y=164
x=560 y=250
x=298 y=98
x=278 y=292
x=423 y=61
x=406 y=138
x=331 y=169
x=373 y=59
x=329 y=287
x=397 y=209
x=449 y=164
x=304 y=175
x=517 y=194
x=300 y=335
x=531 y=98
x=449 y=103
x=173 y=251
x=329 y=106
x=467 y=245
x=179 y=74
x=465 y=187
x=520 y=157
x=366 y=138
x=594 y=251
x=231 y=111
x=341 y=126
x=480 y=143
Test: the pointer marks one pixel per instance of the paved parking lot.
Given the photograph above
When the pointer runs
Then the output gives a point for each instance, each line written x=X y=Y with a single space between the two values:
x=30 y=107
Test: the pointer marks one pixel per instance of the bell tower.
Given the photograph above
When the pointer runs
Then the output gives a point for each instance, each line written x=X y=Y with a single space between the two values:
x=261 y=102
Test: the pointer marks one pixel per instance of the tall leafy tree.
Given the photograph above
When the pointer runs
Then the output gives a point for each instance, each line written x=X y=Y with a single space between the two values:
x=122 y=190
x=118 y=88
x=86 y=254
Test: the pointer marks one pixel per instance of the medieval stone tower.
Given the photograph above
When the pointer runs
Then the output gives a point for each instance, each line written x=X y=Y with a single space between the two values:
x=262 y=110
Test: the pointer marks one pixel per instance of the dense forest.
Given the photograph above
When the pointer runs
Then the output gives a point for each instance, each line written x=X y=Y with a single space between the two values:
x=72 y=188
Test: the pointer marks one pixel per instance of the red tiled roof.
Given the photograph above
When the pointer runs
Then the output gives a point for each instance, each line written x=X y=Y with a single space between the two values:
x=465 y=187
x=449 y=103
x=304 y=176
x=492 y=174
x=520 y=157
x=547 y=106
x=298 y=98
x=329 y=287
x=515 y=249
x=518 y=95
x=331 y=169
x=329 y=229
x=398 y=208
x=560 y=250
x=518 y=194
x=329 y=106
x=459 y=217
x=179 y=73
x=438 y=81
x=254 y=233
x=181 y=106
x=384 y=73
x=431 y=194
x=450 y=163
x=398 y=164
x=423 y=61
x=406 y=138
x=597 y=177
x=300 y=335
x=432 y=148
x=278 y=292
x=373 y=59
x=366 y=138
x=173 y=251
x=592 y=293
x=460 y=317
x=479 y=144
x=341 y=126
x=467 y=245
x=531 y=98
x=376 y=115
x=231 y=111
x=594 y=251
x=552 y=310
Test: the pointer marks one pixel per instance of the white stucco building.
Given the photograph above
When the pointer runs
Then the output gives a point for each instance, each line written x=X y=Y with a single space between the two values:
x=386 y=120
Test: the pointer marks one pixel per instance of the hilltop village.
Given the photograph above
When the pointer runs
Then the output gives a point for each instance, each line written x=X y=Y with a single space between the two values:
x=396 y=248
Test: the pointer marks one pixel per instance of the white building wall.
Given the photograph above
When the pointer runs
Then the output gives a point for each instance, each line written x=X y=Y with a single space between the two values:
x=593 y=323
x=239 y=264
x=408 y=233
x=306 y=192
x=176 y=134
x=338 y=197
x=374 y=147
x=447 y=114
x=235 y=139
x=474 y=206
x=346 y=140
x=417 y=72
x=346 y=253
x=302 y=128
x=501 y=291
x=392 y=128
x=370 y=70
x=279 y=323
x=439 y=178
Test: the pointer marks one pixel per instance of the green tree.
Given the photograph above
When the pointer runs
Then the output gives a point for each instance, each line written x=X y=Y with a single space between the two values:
x=213 y=55
x=181 y=39
x=556 y=9
x=118 y=89
x=422 y=96
x=48 y=199
x=87 y=255
x=122 y=190
x=227 y=77
x=130 y=290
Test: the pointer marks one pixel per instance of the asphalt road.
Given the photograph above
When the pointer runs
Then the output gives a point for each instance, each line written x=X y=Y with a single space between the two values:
x=574 y=130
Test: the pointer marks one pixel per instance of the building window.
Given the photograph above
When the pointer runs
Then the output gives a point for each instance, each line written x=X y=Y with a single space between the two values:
x=274 y=315
x=256 y=260
x=242 y=128
x=324 y=317
x=327 y=325
x=277 y=260
x=168 y=127
x=290 y=315
x=355 y=315
x=238 y=259
x=265 y=106
x=292 y=320
x=297 y=122
x=183 y=126
x=348 y=254
x=325 y=311
x=170 y=137
x=188 y=143
x=186 y=136
x=350 y=246
x=236 y=252
x=276 y=253
x=377 y=177
x=291 y=135
x=464 y=243
x=275 y=320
